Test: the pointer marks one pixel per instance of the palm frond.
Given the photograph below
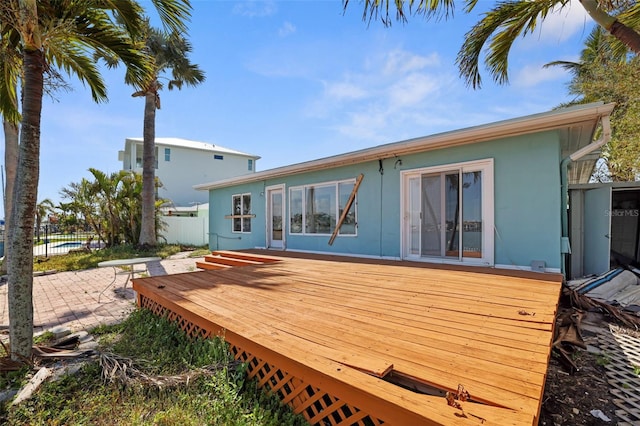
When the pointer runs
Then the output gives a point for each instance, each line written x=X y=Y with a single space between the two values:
x=173 y=13
x=10 y=69
x=497 y=31
x=126 y=12
x=630 y=16
x=573 y=67
x=168 y=52
x=73 y=60
x=383 y=9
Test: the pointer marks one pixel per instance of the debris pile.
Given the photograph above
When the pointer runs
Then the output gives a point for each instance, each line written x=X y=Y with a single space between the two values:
x=616 y=292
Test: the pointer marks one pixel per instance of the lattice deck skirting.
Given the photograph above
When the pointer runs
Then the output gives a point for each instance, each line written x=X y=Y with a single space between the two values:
x=348 y=341
x=316 y=405
x=623 y=351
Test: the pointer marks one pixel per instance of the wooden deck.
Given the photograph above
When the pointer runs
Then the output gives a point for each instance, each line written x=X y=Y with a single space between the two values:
x=352 y=341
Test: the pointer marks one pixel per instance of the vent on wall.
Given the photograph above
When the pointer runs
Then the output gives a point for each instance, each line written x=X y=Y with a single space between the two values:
x=538 y=266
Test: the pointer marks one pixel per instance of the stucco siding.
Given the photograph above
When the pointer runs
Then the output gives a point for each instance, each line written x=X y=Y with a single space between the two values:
x=526 y=202
x=187 y=167
x=221 y=235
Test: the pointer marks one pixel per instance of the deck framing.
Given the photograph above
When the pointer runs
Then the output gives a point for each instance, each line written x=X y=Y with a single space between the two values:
x=334 y=337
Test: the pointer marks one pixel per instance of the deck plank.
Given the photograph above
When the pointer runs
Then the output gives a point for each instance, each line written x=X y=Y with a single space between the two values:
x=433 y=360
x=439 y=327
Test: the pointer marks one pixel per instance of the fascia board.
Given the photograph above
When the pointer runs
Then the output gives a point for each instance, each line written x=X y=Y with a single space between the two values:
x=513 y=127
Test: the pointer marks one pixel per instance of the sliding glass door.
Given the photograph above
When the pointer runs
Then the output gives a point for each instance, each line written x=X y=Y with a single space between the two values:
x=446 y=213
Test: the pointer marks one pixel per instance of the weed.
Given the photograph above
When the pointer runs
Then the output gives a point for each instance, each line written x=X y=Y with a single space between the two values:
x=223 y=397
x=13 y=379
x=85 y=260
x=636 y=370
x=200 y=252
x=44 y=338
x=603 y=359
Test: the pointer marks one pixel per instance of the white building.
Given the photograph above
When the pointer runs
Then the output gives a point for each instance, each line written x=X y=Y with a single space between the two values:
x=182 y=163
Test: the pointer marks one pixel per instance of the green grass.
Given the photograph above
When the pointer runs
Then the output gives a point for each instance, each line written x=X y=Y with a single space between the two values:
x=160 y=349
x=80 y=261
x=603 y=359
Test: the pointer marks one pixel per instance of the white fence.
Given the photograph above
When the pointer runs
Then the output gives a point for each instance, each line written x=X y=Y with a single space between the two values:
x=186 y=230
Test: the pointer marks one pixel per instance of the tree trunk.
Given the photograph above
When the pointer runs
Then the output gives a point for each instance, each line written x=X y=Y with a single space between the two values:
x=625 y=34
x=11 y=164
x=628 y=36
x=25 y=197
x=148 y=224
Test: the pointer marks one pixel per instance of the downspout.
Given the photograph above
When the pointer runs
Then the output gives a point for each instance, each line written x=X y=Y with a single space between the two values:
x=564 y=185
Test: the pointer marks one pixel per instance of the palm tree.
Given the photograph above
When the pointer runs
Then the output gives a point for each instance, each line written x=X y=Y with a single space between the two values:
x=66 y=34
x=603 y=73
x=168 y=52
x=43 y=208
x=500 y=27
x=9 y=71
x=597 y=49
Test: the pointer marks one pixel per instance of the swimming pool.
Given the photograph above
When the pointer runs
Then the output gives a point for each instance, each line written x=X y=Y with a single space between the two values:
x=68 y=245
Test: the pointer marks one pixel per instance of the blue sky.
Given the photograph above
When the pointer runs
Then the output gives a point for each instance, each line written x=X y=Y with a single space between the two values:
x=293 y=81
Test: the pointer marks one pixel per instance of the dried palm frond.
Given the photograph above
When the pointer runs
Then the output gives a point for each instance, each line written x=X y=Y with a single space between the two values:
x=126 y=372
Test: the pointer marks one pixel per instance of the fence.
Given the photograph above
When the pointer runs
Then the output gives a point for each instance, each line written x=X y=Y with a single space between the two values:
x=48 y=241
x=186 y=230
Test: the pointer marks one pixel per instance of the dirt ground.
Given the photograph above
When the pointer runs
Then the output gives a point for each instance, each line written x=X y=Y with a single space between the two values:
x=571 y=396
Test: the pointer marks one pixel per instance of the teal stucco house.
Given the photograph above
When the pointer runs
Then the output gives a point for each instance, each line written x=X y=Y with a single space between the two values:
x=493 y=195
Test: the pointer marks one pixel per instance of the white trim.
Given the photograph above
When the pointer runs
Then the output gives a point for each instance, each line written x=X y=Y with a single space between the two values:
x=527 y=268
x=395 y=258
x=488 y=202
x=282 y=188
x=556 y=119
x=356 y=255
x=241 y=195
x=333 y=183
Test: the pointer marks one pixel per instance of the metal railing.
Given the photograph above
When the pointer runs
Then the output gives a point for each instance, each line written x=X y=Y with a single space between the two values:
x=49 y=240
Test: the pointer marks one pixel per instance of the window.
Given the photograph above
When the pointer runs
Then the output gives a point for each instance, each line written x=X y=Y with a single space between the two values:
x=241 y=216
x=167 y=154
x=316 y=209
x=218 y=157
x=448 y=212
x=140 y=153
x=250 y=164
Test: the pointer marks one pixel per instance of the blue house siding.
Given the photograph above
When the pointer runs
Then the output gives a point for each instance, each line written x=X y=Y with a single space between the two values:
x=526 y=202
x=485 y=195
x=221 y=236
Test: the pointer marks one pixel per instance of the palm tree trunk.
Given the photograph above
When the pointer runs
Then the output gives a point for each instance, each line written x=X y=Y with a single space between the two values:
x=25 y=196
x=148 y=228
x=626 y=35
x=11 y=164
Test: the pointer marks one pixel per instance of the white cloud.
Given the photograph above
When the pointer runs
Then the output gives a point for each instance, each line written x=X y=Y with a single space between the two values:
x=383 y=94
x=366 y=125
x=253 y=8
x=561 y=24
x=411 y=90
x=534 y=74
x=286 y=29
x=401 y=61
x=344 y=91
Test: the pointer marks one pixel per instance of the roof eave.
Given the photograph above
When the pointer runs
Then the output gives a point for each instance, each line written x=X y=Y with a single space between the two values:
x=501 y=129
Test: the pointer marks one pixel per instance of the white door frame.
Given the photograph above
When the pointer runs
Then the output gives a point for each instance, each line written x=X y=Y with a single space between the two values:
x=487 y=211
x=268 y=217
